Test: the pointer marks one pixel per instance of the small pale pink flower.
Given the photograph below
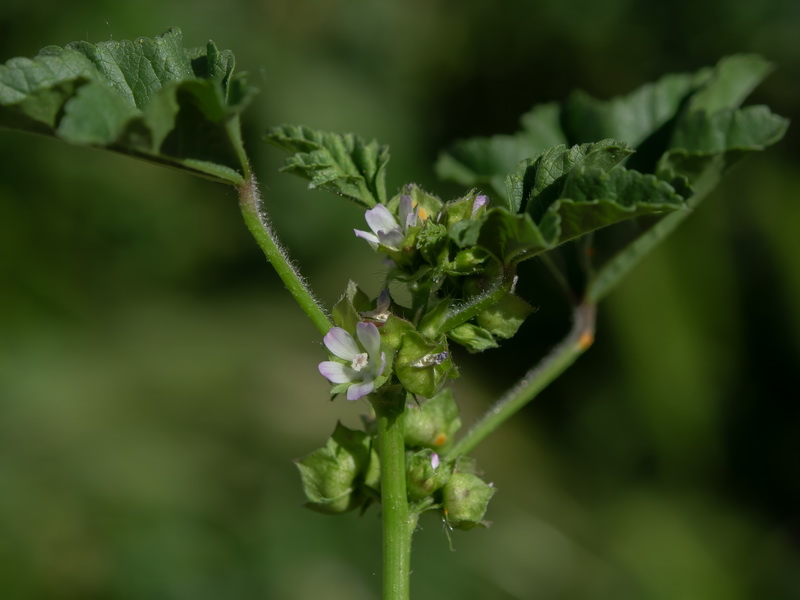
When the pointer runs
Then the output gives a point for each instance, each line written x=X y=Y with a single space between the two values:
x=386 y=231
x=364 y=361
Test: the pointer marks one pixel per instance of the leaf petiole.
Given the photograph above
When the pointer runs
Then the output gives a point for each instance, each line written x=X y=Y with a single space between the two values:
x=577 y=341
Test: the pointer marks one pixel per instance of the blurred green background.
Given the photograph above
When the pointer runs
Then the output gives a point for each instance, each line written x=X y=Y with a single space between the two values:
x=156 y=380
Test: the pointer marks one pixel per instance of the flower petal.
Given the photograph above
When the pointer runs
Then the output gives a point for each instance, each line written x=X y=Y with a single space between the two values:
x=479 y=201
x=391 y=239
x=336 y=372
x=370 y=339
x=359 y=390
x=434 y=461
x=406 y=212
x=383 y=365
x=341 y=343
x=380 y=219
x=370 y=237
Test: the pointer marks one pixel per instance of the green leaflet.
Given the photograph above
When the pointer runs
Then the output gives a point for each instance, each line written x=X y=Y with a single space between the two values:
x=486 y=161
x=631 y=118
x=594 y=198
x=539 y=181
x=686 y=130
x=149 y=98
x=343 y=164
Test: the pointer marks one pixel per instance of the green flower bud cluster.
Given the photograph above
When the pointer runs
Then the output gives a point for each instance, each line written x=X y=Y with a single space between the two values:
x=455 y=259
x=344 y=475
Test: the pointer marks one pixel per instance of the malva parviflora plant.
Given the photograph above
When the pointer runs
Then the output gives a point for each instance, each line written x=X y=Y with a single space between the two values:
x=587 y=186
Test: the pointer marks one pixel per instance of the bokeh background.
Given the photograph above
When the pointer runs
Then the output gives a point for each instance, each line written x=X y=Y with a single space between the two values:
x=156 y=380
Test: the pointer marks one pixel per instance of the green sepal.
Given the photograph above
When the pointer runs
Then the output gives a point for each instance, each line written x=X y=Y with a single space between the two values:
x=331 y=475
x=393 y=330
x=465 y=233
x=346 y=312
x=340 y=163
x=504 y=318
x=465 y=498
x=510 y=237
x=427 y=204
x=461 y=209
x=466 y=262
x=422 y=479
x=431 y=241
x=432 y=423
x=472 y=337
x=422 y=366
x=431 y=322
x=372 y=475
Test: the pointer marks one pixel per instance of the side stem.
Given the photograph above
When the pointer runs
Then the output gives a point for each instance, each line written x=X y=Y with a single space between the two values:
x=257 y=221
x=577 y=341
x=398 y=522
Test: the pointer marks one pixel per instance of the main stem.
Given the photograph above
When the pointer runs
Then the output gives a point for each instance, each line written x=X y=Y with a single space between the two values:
x=398 y=522
x=577 y=341
x=255 y=217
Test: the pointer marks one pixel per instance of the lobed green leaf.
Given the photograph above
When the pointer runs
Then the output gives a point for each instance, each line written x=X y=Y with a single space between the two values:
x=486 y=161
x=686 y=130
x=150 y=98
x=343 y=164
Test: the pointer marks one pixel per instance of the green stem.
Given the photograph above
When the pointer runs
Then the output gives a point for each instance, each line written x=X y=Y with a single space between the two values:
x=398 y=522
x=255 y=217
x=577 y=341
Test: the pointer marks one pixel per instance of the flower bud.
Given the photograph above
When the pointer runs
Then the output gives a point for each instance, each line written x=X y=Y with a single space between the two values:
x=432 y=423
x=465 y=498
x=330 y=475
x=425 y=474
x=422 y=366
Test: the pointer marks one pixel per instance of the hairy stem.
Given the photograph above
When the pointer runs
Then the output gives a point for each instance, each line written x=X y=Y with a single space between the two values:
x=577 y=341
x=398 y=522
x=456 y=314
x=255 y=217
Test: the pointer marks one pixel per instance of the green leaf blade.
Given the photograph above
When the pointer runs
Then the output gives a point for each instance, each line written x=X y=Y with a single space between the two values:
x=594 y=199
x=343 y=164
x=486 y=161
x=150 y=98
x=538 y=182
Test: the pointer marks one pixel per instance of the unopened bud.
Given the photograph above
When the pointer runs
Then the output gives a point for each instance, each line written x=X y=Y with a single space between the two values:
x=465 y=497
x=425 y=474
x=432 y=423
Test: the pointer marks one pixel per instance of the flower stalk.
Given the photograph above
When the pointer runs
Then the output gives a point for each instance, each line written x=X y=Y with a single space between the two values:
x=577 y=341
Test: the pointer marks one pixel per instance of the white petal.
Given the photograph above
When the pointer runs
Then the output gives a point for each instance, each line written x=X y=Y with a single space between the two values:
x=341 y=343
x=383 y=365
x=391 y=239
x=406 y=211
x=359 y=390
x=370 y=237
x=380 y=219
x=336 y=372
x=370 y=338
